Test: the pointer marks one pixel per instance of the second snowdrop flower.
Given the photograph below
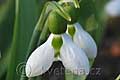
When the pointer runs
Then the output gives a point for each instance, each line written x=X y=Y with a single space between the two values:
x=73 y=57
x=83 y=40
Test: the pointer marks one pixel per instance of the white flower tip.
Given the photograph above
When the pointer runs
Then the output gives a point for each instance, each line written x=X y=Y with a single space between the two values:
x=113 y=8
x=73 y=57
x=28 y=71
x=40 y=60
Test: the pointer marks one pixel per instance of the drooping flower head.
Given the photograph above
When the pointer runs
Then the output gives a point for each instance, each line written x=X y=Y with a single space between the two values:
x=83 y=40
x=72 y=57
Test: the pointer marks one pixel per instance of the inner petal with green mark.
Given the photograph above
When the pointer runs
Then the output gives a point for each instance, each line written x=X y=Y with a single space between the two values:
x=57 y=43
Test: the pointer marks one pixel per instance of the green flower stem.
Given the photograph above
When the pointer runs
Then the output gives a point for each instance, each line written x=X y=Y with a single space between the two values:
x=60 y=10
x=44 y=35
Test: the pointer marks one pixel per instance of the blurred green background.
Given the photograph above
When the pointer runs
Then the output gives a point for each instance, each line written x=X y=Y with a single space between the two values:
x=19 y=17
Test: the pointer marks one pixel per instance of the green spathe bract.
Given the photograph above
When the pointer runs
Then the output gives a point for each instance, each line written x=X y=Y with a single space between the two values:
x=71 y=30
x=73 y=12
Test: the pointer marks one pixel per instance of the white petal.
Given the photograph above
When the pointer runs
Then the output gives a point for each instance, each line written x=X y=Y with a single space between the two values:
x=85 y=41
x=40 y=60
x=113 y=8
x=73 y=58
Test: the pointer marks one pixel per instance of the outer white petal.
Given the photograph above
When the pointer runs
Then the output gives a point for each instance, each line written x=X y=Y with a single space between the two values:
x=40 y=60
x=113 y=8
x=73 y=57
x=85 y=41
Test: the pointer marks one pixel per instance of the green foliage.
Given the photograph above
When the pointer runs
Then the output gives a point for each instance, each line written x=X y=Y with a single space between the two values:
x=26 y=15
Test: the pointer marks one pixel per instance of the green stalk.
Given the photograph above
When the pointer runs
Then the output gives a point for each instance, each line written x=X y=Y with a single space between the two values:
x=44 y=35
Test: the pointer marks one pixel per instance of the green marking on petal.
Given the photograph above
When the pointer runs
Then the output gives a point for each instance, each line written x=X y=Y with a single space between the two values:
x=57 y=43
x=71 y=30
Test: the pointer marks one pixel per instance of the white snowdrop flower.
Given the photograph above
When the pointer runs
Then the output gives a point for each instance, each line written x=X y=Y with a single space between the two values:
x=73 y=57
x=40 y=60
x=113 y=8
x=84 y=41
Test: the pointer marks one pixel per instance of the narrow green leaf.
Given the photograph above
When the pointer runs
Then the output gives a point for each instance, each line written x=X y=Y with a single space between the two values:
x=6 y=27
x=26 y=16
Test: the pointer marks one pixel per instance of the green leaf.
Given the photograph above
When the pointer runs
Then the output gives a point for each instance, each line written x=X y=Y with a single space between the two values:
x=6 y=26
x=26 y=15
